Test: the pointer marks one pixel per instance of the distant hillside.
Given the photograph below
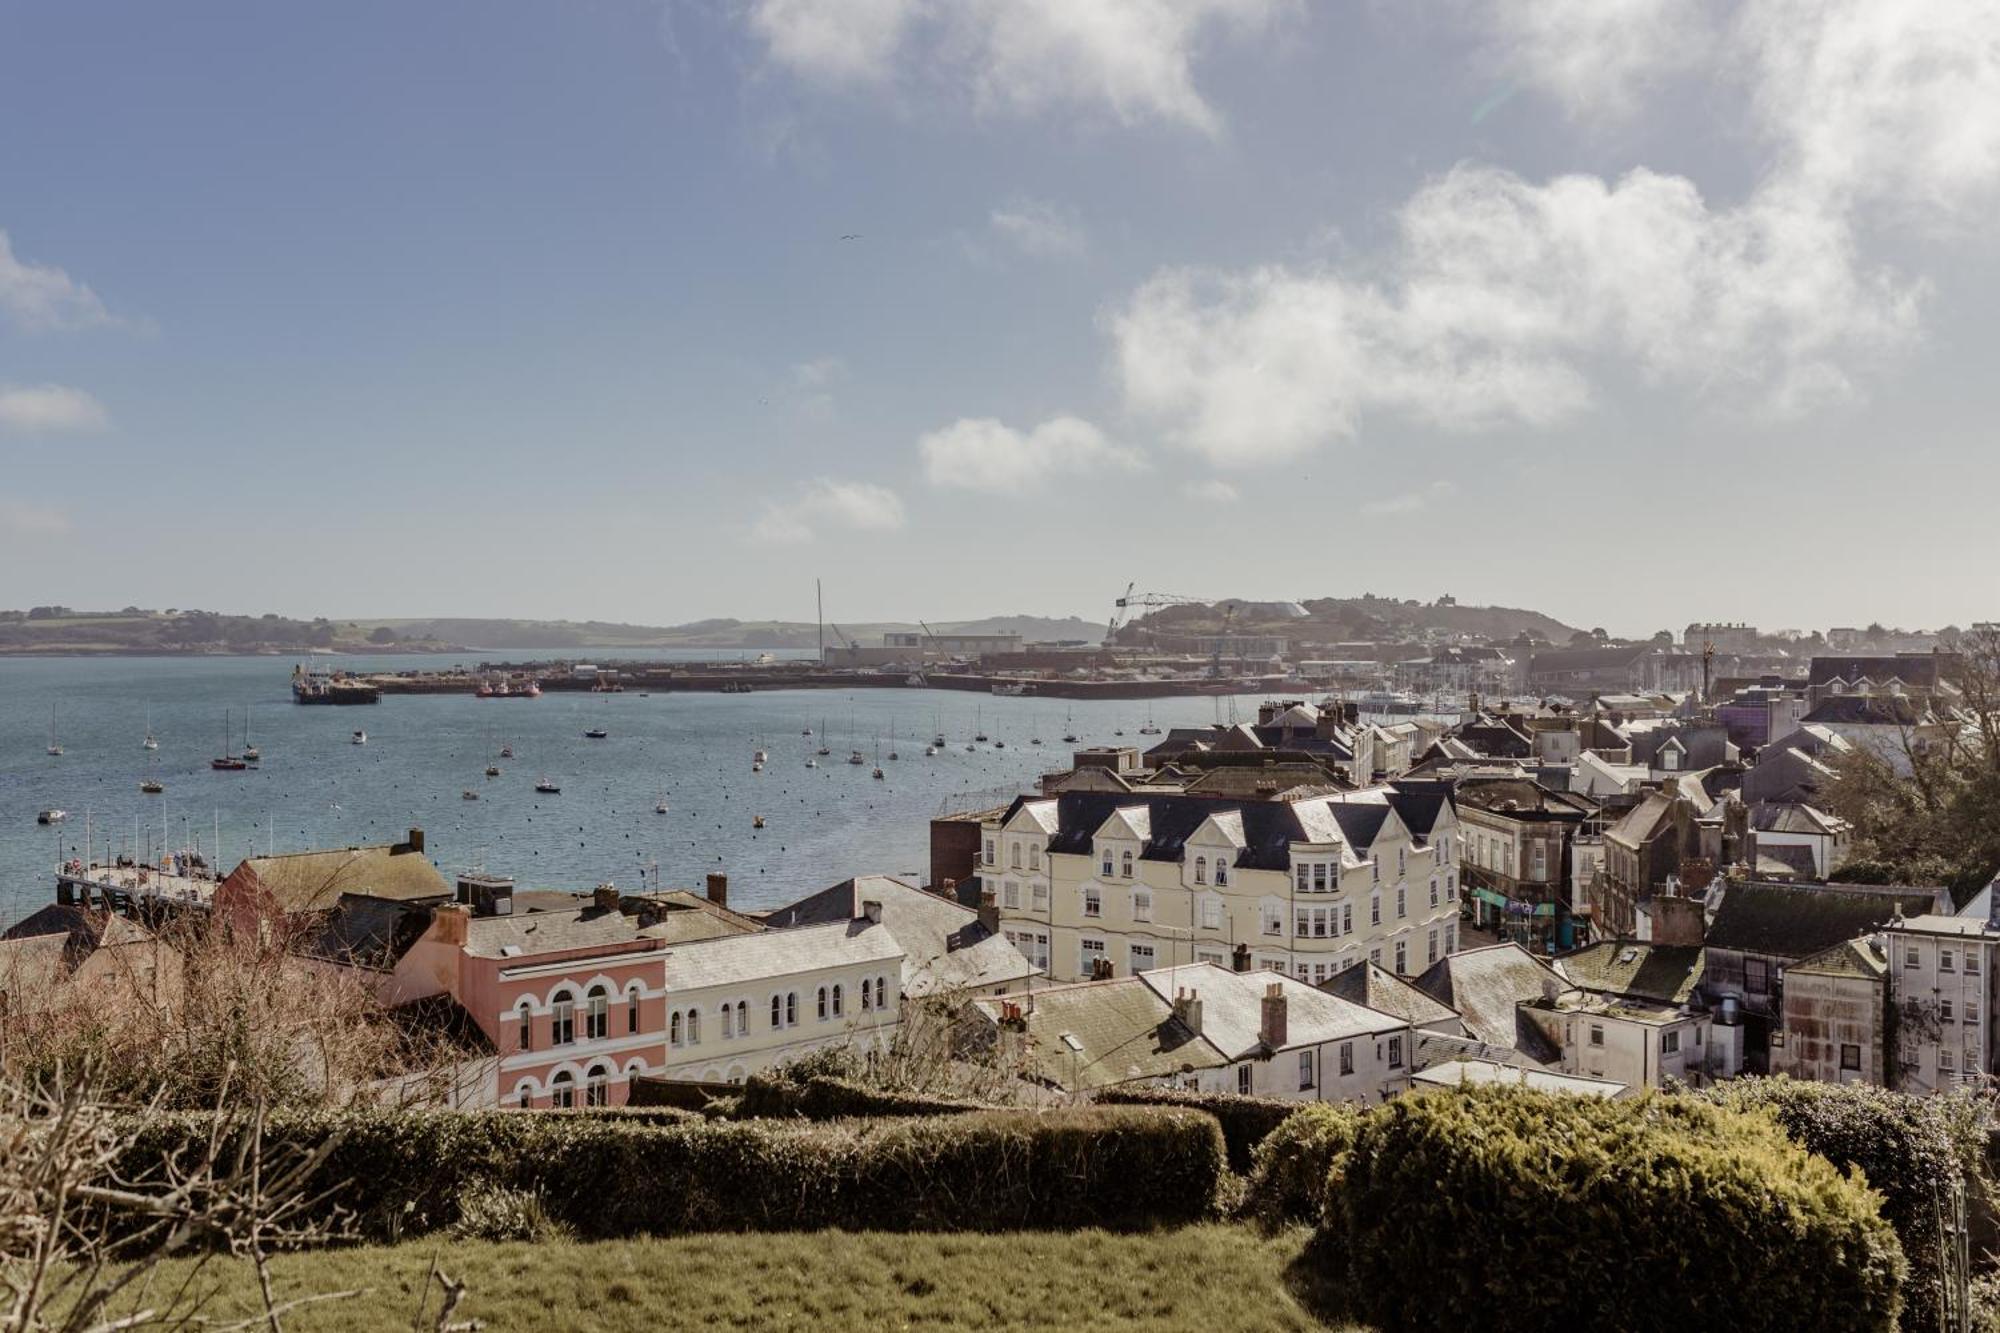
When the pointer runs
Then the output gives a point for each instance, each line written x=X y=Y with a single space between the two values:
x=58 y=630
x=721 y=634
x=1359 y=619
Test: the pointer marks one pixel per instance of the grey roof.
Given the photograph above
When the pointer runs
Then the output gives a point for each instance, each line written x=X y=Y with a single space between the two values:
x=1458 y=1073
x=944 y=946
x=1373 y=986
x=1233 y=1008
x=1486 y=987
x=365 y=931
x=769 y=955
x=1097 y=1033
x=1668 y=973
x=1876 y=710
x=527 y=934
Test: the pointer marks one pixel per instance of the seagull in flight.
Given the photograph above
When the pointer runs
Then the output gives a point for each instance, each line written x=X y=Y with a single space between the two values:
x=852 y=236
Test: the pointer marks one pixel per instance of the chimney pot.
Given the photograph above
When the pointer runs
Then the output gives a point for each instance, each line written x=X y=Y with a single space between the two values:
x=718 y=890
x=416 y=840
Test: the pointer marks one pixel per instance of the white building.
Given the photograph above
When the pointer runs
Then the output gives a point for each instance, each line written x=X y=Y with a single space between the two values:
x=741 y=1005
x=1941 y=990
x=1640 y=1043
x=1307 y=882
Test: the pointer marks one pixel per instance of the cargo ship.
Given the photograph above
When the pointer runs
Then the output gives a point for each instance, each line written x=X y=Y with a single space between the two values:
x=317 y=685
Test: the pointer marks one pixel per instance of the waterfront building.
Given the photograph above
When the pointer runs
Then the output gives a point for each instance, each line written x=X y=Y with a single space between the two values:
x=1303 y=880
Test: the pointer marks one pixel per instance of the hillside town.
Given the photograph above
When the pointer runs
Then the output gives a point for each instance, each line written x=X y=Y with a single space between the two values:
x=1614 y=889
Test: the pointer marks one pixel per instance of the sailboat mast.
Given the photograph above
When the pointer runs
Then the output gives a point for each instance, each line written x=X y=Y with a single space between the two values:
x=819 y=615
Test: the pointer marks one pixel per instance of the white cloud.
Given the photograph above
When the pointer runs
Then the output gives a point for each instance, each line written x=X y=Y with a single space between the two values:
x=20 y=519
x=1410 y=502
x=852 y=506
x=41 y=298
x=852 y=41
x=49 y=409
x=1214 y=489
x=819 y=374
x=981 y=454
x=1039 y=229
x=1132 y=58
x=1598 y=57
x=1497 y=305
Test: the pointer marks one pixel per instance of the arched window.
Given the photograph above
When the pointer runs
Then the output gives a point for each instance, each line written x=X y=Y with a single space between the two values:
x=1014 y=855
x=728 y=1021
x=524 y=1094
x=777 y=1012
x=597 y=1014
x=867 y=994
x=791 y=1008
x=1221 y=872
x=1201 y=870
x=1107 y=863
x=836 y=1001
x=565 y=1018
x=694 y=1027
x=674 y=1029
x=632 y=1008
x=743 y=1018
x=1125 y=865
x=562 y=1090
x=527 y=1026
x=596 y=1086
x=822 y=1004
x=881 y=992
x=1034 y=856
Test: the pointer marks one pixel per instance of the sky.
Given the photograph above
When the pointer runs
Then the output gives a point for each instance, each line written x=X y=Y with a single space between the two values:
x=1635 y=312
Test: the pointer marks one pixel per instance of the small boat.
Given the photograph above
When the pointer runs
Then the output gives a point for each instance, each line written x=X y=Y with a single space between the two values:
x=759 y=757
x=999 y=745
x=152 y=786
x=547 y=786
x=506 y=752
x=854 y=757
x=756 y=768
x=468 y=795
x=360 y=738
x=596 y=734
x=970 y=747
x=1118 y=731
x=979 y=723
x=893 y=756
x=811 y=762
x=1149 y=729
x=250 y=752
x=493 y=770
x=660 y=806
x=55 y=746
x=929 y=751
x=878 y=775
x=229 y=763
x=151 y=742
x=52 y=816
x=1069 y=727
x=1034 y=740
x=807 y=732
x=756 y=821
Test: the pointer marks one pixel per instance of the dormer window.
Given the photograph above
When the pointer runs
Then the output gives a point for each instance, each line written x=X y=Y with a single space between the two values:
x=1109 y=869
x=1221 y=871
x=1125 y=865
x=1201 y=870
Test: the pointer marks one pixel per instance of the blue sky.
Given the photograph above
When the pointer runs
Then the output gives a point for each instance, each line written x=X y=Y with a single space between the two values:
x=1634 y=312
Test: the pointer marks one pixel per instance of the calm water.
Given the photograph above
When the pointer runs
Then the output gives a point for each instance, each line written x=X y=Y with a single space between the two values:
x=316 y=789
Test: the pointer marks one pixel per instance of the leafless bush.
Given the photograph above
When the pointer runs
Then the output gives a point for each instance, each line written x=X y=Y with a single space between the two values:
x=82 y=1247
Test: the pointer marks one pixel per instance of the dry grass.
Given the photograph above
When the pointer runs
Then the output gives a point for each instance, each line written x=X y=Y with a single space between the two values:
x=1212 y=1277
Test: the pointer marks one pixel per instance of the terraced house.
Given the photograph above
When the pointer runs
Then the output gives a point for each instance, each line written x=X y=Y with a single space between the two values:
x=1305 y=882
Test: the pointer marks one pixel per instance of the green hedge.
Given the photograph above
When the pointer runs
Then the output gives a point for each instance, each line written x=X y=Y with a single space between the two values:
x=625 y=1173
x=1503 y=1209
x=1246 y=1121
x=1914 y=1150
x=822 y=1098
x=1288 y=1177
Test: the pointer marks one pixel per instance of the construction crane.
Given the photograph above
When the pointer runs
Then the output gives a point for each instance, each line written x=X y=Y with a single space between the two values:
x=1151 y=601
x=1215 y=658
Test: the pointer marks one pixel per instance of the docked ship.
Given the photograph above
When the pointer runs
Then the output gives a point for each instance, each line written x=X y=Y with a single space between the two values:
x=318 y=685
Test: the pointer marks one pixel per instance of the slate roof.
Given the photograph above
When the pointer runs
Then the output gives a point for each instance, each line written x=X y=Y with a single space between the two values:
x=1849 y=958
x=1789 y=817
x=83 y=929
x=1375 y=987
x=363 y=931
x=1486 y=986
x=1797 y=920
x=1098 y=1033
x=1457 y=1073
x=531 y=933
x=944 y=946
x=1232 y=1005
x=771 y=954
x=1875 y=710
x=1586 y=659
x=1667 y=973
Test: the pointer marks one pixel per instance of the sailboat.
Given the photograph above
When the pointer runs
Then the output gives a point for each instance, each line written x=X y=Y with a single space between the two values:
x=660 y=806
x=149 y=784
x=878 y=759
x=150 y=743
x=1149 y=729
x=937 y=741
x=893 y=756
x=1069 y=726
x=228 y=761
x=54 y=747
x=979 y=721
x=823 y=749
x=250 y=752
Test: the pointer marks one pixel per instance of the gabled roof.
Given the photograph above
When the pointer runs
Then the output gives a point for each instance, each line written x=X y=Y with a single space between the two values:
x=1037 y=815
x=1098 y=1033
x=1375 y=987
x=361 y=931
x=1849 y=958
x=1233 y=1009
x=1798 y=920
x=1872 y=710
x=744 y=960
x=1666 y=973
x=1791 y=817
x=1487 y=985
x=945 y=948
x=82 y=929
x=314 y=881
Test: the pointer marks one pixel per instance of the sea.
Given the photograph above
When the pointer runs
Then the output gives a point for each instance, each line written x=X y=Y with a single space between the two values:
x=316 y=788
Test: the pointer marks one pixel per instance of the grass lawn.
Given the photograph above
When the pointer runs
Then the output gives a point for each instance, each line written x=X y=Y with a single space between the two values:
x=1207 y=1277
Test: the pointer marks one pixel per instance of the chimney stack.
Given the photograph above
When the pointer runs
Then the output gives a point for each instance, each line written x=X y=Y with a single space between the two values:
x=415 y=842
x=452 y=921
x=1239 y=960
x=718 y=890
x=1272 y=1030
x=872 y=910
x=989 y=912
x=1187 y=1008
x=1101 y=969
x=604 y=898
